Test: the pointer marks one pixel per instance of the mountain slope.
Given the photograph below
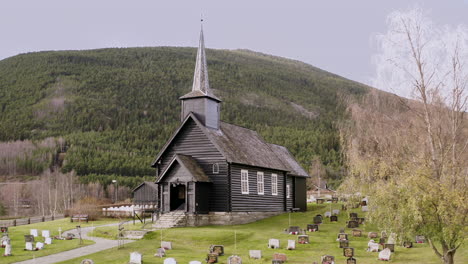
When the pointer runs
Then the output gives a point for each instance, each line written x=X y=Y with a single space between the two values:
x=117 y=107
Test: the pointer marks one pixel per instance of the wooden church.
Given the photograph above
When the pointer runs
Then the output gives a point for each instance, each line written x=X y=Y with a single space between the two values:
x=212 y=166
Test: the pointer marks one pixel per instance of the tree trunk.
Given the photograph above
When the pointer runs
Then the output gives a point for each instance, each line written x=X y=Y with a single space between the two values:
x=449 y=257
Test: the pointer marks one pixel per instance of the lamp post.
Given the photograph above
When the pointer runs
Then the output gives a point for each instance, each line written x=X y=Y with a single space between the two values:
x=115 y=190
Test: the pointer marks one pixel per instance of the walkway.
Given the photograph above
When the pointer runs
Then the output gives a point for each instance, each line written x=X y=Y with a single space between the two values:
x=101 y=244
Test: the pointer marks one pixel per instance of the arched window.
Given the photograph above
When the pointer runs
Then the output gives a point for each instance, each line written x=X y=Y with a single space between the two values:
x=215 y=168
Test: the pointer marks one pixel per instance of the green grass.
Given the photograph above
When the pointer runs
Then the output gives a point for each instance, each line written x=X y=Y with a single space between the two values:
x=193 y=243
x=17 y=238
x=111 y=232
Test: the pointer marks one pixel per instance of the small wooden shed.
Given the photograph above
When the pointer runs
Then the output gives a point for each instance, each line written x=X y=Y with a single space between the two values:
x=146 y=194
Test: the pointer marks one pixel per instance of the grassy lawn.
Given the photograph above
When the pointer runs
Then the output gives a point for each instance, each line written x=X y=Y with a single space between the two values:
x=17 y=238
x=193 y=243
x=111 y=232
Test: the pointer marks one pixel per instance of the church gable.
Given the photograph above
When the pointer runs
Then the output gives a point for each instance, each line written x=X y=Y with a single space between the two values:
x=183 y=169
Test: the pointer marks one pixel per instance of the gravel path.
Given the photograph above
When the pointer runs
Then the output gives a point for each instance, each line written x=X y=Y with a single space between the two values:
x=101 y=244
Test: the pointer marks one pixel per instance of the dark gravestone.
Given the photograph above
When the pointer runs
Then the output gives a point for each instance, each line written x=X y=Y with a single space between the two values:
x=342 y=236
x=320 y=201
x=317 y=220
x=351 y=261
x=353 y=224
x=382 y=241
x=212 y=258
x=327 y=259
x=294 y=230
x=348 y=252
x=303 y=239
x=363 y=203
x=390 y=246
x=3 y=229
x=333 y=218
x=408 y=244
x=344 y=243
x=357 y=233
x=353 y=215
x=218 y=249
x=334 y=199
x=372 y=235
x=361 y=220
x=29 y=238
x=312 y=228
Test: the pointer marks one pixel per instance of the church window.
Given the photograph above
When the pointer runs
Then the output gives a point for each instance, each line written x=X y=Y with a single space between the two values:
x=260 y=183
x=245 y=181
x=274 y=184
x=215 y=168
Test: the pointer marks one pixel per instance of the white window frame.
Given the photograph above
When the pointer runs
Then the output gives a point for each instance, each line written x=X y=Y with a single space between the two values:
x=288 y=191
x=260 y=183
x=274 y=184
x=215 y=168
x=244 y=181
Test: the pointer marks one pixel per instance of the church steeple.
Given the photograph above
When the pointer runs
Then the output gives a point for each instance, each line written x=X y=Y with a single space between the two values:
x=201 y=100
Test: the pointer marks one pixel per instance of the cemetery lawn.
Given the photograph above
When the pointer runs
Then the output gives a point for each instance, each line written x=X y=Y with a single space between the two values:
x=192 y=243
x=18 y=244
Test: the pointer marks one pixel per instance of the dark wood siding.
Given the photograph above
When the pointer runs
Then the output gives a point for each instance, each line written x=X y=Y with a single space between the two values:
x=253 y=201
x=145 y=195
x=193 y=142
x=290 y=200
x=300 y=193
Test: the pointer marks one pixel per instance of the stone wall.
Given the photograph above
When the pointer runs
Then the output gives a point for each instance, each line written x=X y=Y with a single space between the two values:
x=226 y=218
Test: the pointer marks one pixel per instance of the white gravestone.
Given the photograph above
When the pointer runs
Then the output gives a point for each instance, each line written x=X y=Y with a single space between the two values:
x=39 y=245
x=327 y=214
x=7 y=250
x=255 y=254
x=33 y=232
x=273 y=243
x=291 y=244
x=48 y=241
x=195 y=262
x=135 y=258
x=365 y=209
x=161 y=253
x=29 y=246
x=45 y=233
x=234 y=260
x=166 y=245
x=392 y=238
x=336 y=212
x=170 y=261
x=385 y=254
x=372 y=246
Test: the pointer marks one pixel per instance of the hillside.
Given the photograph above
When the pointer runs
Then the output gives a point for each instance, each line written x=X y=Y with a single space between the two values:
x=113 y=109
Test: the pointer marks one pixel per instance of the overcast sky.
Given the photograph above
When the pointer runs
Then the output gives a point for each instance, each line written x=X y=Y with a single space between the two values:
x=330 y=34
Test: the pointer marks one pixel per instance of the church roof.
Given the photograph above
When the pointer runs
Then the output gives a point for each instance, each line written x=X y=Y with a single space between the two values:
x=152 y=185
x=289 y=160
x=191 y=165
x=201 y=84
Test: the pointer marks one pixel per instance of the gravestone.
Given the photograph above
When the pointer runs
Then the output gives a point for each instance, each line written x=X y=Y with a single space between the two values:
x=351 y=261
x=344 y=243
x=29 y=238
x=170 y=261
x=390 y=246
x=33 y=232
x=255 y=254
x=166 y=245
x=385 y=254
x=353 y=215
x=160 y=253
x=333 y=218
x=273 y=243
x=361 y=220
x=344 y=207
x=392 y=238
x=87 y=261
x=195 y=262
x=312 y=228
x=7 y=250
x=342 y=236
x=69 y=236
x=303 y=239
x=276 y=261
x=408 y=244
x=420 y=239
x=364 y=202
x=317 y=220
x=383 y=234
x=294 y=230
x=328 y=214
x=234 y=260
x=372 y=246
x=334 y=199
x=3 y=229
x=212 y=258
x=280 y=257
x=336 y=212
x=291 y=244
x=39 y=245
x=327 y=259
x=29 y=246
x=348 y=252
x=135 y=258
x=218 y=249
x=353 y=224
x=48 y=241
x=382 y=241
x=320 y=201
x=5 y=240
x=372 y=235
x=45 y=233
x=365 y=209
x=357 y=233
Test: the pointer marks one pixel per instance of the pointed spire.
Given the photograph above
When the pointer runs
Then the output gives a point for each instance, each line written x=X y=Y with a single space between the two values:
x=200 y=77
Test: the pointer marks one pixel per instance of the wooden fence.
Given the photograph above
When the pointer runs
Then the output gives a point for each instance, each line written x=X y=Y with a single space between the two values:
x=30 y=220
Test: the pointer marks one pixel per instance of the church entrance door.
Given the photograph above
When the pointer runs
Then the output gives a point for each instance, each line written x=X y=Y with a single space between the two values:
x=178 y=195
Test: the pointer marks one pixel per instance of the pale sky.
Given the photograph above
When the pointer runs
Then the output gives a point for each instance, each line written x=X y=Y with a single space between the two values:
x=335 y=35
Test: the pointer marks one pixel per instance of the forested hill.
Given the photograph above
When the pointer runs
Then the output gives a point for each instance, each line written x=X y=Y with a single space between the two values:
x=115 y=108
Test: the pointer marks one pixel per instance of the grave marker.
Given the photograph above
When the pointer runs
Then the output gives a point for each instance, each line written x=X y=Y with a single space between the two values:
x=317 y=220
x=353 y=215
x=135 y=258
x=361 y=220
x=327 y=259
x=87 y=261
x=342 y=236
x=320 y=201
x=218 y=249
x=33 y=232
x=195 y=262
x=3 y=229
x=351 y=261
x=212 y=258
x=48 y=241
x=45 y=233
x=353 y=224
x=334 y=199
x=273 y=243
x=372 y=246
x=312 y=228
x=420 y=239
x=408 y=244
x=291 y=244
x=390 y=246
x=279 y=256
x=39 y=245
x=160 y=253
x=29 y=246
x=7 y=251
x=392 y=238
x=348 y=252
x=234 y=260
x=327 y=214
x=382 y=241
x=385 y=254
x=303 y=239
x=294 y=230
x=336 y=212
x=383 y=234
x=166 y=245
x=333 y=218
x=357 y=233
x=372 y=235
x=344 y=243
x=255 y=254
x=170 y=261
x=365 y=209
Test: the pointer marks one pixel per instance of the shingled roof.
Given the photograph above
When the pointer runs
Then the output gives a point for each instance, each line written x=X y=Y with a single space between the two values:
x=191 y=165
x=288 y=159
